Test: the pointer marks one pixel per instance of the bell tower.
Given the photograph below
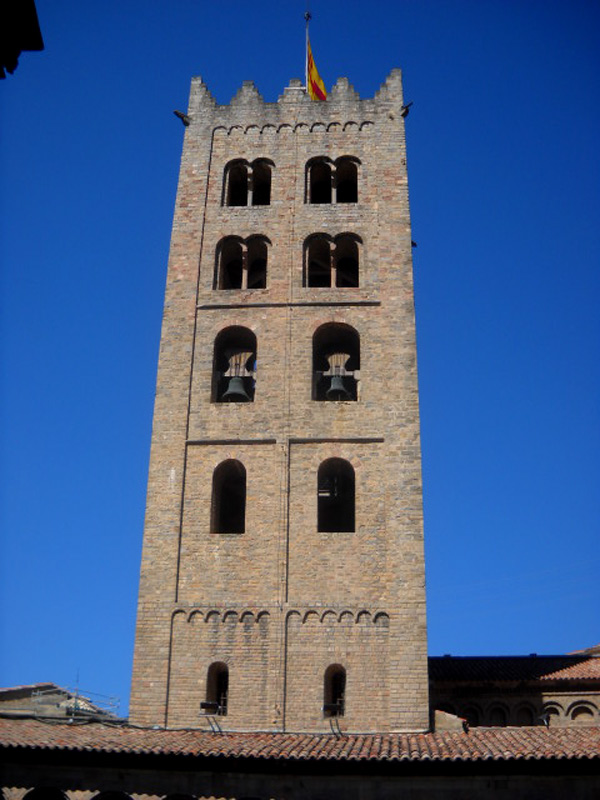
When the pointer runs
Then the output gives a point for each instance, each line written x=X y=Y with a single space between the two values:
x=282 y=579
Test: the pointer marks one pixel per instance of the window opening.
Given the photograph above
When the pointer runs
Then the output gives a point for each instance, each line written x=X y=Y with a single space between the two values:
x=346 y=261
x=234 y=366
x=257 y=264
x=237 y=184
x=346 y=179
x=334 y=691
x=318 y=262
x=242 y=264
x=217 y=689
x=582 y=714
x=319 y=182
x=231 y=264
x=261 y=184
x=472 y=715
x=497 y=717
x=525 y=716
x=336 y=363
x=336 y=496
x=229 y=498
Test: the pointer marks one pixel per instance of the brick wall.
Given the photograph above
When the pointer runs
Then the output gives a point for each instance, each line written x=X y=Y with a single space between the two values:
x=282 y=601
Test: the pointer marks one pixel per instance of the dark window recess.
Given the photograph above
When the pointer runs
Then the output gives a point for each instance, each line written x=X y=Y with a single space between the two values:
x=231 y=264
x=346 y=179
x=336 y=496
x=241 y=264
x=228 y=513
x=334 y=691
x=318 y=262
x=234 y=366
x=257 y=264
x=346 y=261
x=261 y=184
x=217 y=690
x=497 y=718
x=248 y=184
x=237 y=185
x=320 y=182
x=336 y=363
x=331 y=265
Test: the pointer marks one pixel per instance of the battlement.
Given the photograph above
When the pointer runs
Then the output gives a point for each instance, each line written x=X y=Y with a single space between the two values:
x=294 y=106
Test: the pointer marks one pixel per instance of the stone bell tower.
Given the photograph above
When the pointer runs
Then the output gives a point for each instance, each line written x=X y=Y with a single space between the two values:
x=282 y=580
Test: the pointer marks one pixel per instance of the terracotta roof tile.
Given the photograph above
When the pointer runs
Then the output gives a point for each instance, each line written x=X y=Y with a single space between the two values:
x=514 y=668
x=499 y=744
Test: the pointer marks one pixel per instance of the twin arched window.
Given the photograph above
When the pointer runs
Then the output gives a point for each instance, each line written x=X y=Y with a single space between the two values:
x=330 y=181
x=247 y=184
x=242 y=263
x=331 y=261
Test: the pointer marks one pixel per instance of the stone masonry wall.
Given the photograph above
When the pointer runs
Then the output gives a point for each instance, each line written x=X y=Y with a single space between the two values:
x=282 y=601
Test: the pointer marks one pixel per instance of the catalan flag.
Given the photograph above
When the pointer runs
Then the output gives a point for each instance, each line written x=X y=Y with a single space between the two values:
x=316 y=87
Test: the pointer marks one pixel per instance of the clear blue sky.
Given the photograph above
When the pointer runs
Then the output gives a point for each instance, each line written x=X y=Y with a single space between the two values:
x=504 y=167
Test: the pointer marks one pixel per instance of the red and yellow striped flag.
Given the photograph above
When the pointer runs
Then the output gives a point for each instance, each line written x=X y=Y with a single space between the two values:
x=316 y=87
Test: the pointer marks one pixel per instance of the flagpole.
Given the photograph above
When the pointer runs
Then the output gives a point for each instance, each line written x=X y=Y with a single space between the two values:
x=307 y=17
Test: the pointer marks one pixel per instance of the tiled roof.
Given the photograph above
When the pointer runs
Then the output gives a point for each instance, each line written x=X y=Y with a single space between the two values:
x=514 y=668
x=479 y=744
x=30 y=687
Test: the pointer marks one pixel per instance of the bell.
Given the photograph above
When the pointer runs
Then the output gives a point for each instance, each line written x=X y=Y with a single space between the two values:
x=235 y=391
x=337 y=390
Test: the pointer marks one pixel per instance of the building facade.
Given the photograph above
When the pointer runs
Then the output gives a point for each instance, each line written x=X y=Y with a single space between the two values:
x=282 y=581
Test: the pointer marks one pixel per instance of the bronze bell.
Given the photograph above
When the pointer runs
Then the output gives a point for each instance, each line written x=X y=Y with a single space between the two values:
x=235 y=391
x=337 y=390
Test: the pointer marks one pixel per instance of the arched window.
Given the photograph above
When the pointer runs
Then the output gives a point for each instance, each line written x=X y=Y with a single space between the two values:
x=331 y=262
x=241 y=264
x=332 y=182
x=525 y=716
x=497 y=717
x=582 y=714
x=247 y=184
x=47 y=793
x=318 y=181
x=346 y=260
x=257 y=263
x=336 y=363
x=346 y=180
x=228 y=507
x=317 y=261
x=472 y=714
x=336 y=496
x=334 y=691
x=217 y=689
x=234 y=366
x=230 y=259
x=261 y=183
x=552 y=714
x=236 y=184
